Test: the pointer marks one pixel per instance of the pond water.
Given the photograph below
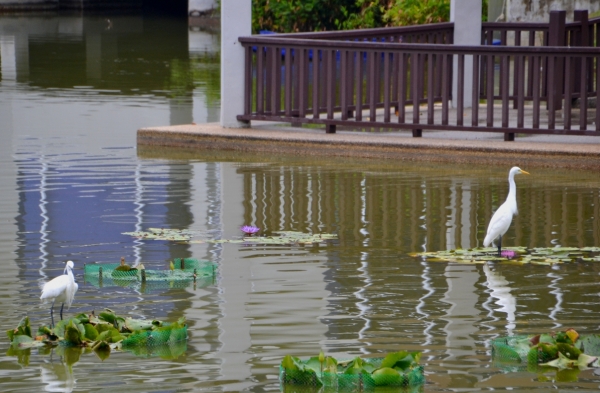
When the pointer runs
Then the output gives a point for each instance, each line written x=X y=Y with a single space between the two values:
x=74 y=90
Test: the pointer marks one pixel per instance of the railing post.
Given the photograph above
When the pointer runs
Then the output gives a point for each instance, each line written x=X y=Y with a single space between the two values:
x=466 y=15
x=583 y=39
x=557 y=37
x=236 y=21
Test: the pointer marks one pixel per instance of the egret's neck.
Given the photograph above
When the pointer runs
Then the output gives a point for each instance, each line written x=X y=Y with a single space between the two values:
x=512 y=193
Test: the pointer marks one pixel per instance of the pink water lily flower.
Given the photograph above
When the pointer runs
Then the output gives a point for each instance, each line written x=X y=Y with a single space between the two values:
x=509 y=254
x=249 y=229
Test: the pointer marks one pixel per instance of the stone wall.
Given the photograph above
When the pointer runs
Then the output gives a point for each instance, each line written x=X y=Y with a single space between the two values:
x=539 y=10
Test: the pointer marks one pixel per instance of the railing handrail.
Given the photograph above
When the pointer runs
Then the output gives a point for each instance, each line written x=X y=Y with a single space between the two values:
x=515 y=25
x=365 y=33
x=439 y=48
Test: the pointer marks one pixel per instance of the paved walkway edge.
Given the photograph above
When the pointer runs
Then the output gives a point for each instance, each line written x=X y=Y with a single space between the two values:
x=373 y=145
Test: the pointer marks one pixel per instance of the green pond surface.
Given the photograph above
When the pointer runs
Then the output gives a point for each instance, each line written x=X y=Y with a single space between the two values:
x=73 y=92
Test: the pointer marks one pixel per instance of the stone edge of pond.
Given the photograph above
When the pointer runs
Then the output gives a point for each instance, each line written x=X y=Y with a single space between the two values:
x=401 y=146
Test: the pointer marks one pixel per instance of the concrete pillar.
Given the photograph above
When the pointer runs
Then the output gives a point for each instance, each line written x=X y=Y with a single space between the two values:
x=466 y=15
x=236 y=21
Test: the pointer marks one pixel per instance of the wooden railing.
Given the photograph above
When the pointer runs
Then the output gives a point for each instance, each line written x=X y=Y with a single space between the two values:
x=401 y=78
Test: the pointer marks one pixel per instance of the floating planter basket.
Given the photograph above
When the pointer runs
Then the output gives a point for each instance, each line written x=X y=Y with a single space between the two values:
x=398 y=369
x=186 y=271
x=561 y=350
x=104 y=333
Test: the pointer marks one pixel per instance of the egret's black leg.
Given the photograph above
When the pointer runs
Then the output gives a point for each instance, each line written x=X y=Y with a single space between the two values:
x=61 y=308
x=500 y=246
x=52 y=313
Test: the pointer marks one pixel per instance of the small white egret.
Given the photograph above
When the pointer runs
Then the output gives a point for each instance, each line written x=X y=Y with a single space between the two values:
x=503 y=216
x=62 y=289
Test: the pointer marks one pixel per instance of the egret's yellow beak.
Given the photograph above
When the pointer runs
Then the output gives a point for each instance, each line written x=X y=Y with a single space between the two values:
x=525 y=172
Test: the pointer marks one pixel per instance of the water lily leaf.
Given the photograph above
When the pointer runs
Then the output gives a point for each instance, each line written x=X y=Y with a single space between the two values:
x=585 y=361
x=22 y=354
x=138 y=324
x=592 y=259
x=386 y=376
x=314 y=364
x=546 y=338
x=108 y=333
x=22 y=329
x=21 y=339
x=567 y=375
x=590 y=249
x=568 y=350
x=167 y=234
x=402 y=360
x=110 y=317
x=296 y=371
x=72 y=334
x=60 y=328
x=562 y=249
x=90 y=332
x=69 y=354
x=514 y=255
x=561 y=362
x=590 y=344
x=354 y=367
x=102 y=350
x=291 y=363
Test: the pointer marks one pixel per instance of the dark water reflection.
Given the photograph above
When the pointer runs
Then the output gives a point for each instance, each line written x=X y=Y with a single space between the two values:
x=72 y=181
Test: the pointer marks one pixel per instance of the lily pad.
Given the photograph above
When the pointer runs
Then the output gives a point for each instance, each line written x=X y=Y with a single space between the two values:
x=518 y=255
x=103 y=334
x=396 y=369
x=558 y=350
x=167 y=234
x=199 y=237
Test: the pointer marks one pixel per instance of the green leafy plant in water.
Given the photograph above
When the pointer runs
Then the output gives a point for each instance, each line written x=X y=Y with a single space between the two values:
x=396 y=369
x=102 y=333
x=559 y=350
x=522 y=255
x=287 y=238
x=279 y=237
x=165 y=234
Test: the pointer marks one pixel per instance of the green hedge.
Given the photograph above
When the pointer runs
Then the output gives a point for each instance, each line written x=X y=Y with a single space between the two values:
x=320 y=15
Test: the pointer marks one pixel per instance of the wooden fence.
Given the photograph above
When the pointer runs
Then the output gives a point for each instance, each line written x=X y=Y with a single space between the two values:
x=525 y=79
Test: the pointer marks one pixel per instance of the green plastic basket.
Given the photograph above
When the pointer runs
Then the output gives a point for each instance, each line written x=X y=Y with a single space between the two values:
x=409 y=381
x=166 y=334
x=187 y=271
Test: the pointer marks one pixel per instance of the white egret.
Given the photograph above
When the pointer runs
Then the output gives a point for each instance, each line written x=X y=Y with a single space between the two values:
x=62 y=289
x=503 y=216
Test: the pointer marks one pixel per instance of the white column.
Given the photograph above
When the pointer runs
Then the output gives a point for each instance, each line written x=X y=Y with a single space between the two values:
x=466 y=15
x=236 y=21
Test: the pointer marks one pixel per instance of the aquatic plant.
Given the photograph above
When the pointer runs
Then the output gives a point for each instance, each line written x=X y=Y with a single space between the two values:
x=514 y=255
x=395 y=369
x=278 y=237
x=184 y=272
x=558 y=350
x=101 y=333
x=249 y=230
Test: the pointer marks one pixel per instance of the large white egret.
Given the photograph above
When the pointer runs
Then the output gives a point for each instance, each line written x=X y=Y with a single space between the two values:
x=62 y=289
x=503 y=216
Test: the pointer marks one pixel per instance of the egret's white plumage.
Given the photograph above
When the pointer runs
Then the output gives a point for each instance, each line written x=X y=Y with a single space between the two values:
x=503 y=216
x=61 y=289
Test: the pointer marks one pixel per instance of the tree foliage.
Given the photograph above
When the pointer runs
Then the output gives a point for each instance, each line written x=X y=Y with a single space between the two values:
x=320 y=15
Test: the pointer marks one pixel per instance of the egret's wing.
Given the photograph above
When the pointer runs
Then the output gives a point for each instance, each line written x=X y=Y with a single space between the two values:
x=54 y=287
x=498 y=224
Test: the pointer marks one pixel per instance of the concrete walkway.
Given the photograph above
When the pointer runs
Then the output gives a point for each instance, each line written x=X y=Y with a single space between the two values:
x=581 y=152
